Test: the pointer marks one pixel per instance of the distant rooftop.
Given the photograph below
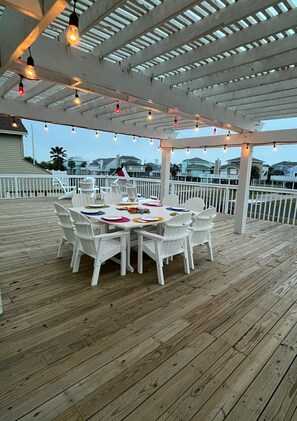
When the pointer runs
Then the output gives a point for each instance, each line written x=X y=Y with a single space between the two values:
x=6 y=125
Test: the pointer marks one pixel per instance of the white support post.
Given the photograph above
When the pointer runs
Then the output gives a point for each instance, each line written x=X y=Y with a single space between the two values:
x=242 y=198
x=165 y=172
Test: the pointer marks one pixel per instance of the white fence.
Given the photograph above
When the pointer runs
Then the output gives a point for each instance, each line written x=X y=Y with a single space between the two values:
x=278 y=205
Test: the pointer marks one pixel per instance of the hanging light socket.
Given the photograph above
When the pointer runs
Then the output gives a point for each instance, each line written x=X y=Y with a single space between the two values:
x=205 y=149
x=115 y=137
x=72 y=31
x=188 y=150
x=228 y=135
x=14 y=123
x=214 y=131
x=21 y=86
x=175 y=123
x=274 y=148
x=118 y=108
x=150 y=115
x=96 y=133
x=197 y=125
x=45 y=126
x=76 y=100
x=30 y=69
x=73 y=130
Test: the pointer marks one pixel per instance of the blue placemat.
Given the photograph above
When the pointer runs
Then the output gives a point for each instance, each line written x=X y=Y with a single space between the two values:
x=178 y=209
x=92 y=213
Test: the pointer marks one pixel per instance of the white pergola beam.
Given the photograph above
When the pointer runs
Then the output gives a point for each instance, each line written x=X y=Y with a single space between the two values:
x=260 y=138
x=258 y=91
x=253 y=33
x=58 y=116
x=252 y=68
x=240 y=60
x=22 y=31
x=65 y=66
x=150 y=20
x=237 y=89
x=205 y=26
x=30 y=8
x=35 y=91
x=9 y=84
x=275 y=101
x=272 y=95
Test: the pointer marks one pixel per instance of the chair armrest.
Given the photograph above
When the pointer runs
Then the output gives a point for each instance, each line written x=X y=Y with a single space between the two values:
x=149 y=235
x=116 y=234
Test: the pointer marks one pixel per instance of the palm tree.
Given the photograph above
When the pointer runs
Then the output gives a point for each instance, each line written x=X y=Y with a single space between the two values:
x=71 y=165
x=59 y=155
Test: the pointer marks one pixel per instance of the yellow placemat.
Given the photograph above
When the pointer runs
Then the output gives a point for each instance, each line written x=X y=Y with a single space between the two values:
x=160 y=219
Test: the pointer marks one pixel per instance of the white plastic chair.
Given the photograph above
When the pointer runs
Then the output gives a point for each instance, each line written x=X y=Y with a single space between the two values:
x=115 y=188
x=131 y=192
x=112 y=198
x=171 y=243
x=79 y=200
x=68 y=191
x=170 y=200
x=67 y=227
x=87 y=186
x=195 y=204
x=200 y=233
x=101 y=247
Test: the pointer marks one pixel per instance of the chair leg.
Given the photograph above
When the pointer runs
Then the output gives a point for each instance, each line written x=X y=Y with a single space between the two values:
x=209 y=248
x=96 y=272
x=123 y=256
x=73 y=256
x=186 y=258
x=61 y=246
x=140 y=255
x=190 y=254
x=76 y=261
x=159 y=264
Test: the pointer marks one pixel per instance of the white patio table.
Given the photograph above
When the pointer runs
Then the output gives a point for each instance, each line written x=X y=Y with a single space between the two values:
x=119 y=216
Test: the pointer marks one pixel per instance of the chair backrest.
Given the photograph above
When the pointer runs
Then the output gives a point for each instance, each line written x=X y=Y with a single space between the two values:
x=170 y=200
x=115 y=188
x=61 y=178
x=131 y=192
x=196 y=204
x=112 y=198
x=202 y=226
x=81 y=199
x=175 y=232
x=65 y=222
x=84 y=231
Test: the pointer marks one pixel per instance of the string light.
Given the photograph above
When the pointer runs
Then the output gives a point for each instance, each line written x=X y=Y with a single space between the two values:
x=115 y=137
x=247 y=147
x=118 y=108
x=72 y=32
x=76 y=100
x=225 y=149
x=197 y=125
x=150 y=115
x=45 y=126
x=214 y=131
x=73 y=130
x=228 y=135
x=205 y=149
x=21 y=86
x=175 y=123
x=172 y=151
x=134 y=139
x=96 y=134
x=188 y=150
x=14 y=123
x=274 y=147
x=151 y=142
x=30 y=69
x=158 y=148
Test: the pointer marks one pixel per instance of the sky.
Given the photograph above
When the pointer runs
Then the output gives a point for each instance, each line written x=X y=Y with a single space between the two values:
x=85 y=144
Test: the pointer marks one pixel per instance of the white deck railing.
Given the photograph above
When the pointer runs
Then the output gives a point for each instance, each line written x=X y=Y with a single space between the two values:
x=272 y=204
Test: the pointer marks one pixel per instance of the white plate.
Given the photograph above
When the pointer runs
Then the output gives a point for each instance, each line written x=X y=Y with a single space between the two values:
x=149 y=218
x=112 y=217
x=98 y=205
x=180 y=209
x=90 y=212
x=153 y=203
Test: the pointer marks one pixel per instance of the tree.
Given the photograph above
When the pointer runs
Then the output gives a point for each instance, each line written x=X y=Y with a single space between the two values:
x=59 y=155
x=174 y=169
x=71 y=165
x=83 y=164
x=255 y=173
x=29 y=159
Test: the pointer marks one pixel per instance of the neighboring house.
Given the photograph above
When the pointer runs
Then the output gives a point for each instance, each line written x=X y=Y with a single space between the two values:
x=11 y=149
x=156 y=169
x=232 y=167
x=196 y=167
x=101 y=166
x=80 y=165
x=109 y=165
x=288 y=168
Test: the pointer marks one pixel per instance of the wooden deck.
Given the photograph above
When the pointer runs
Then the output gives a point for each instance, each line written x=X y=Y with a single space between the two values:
x=218 y=344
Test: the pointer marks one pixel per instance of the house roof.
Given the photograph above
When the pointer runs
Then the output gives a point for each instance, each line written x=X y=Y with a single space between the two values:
x=238 y=160
x=6 y=125
x=197 y=159
x=286 y=163
x=198 y=167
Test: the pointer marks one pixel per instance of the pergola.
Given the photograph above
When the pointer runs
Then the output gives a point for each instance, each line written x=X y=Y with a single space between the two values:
x=223 y=63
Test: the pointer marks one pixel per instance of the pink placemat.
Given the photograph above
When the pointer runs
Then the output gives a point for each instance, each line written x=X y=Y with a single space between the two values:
x=117 y=221
x=153 y=206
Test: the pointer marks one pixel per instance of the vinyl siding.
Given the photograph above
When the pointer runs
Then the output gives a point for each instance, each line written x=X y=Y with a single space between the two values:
x=12 y=159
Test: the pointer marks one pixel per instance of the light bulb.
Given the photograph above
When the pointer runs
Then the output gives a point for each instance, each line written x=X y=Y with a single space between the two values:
x=149 y=116
x=76 y=100
x=158 y=148
x=228 y=135
x=118 y=108
x=214 y=131
x=151 y=142
x=205 y=149
x=45 y=127
x=97 y=134
x=188 y=150
x=175 y=123
x=274 y=147
x=225 y=149
x=172 y=150
x=247 y=147
x=133 y=139
x=73 y=130
x=14 y=123
x=115 y=138
x=72 y=34
x=21 y=87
